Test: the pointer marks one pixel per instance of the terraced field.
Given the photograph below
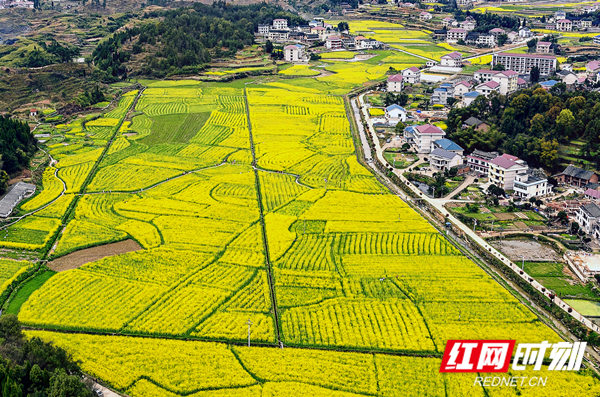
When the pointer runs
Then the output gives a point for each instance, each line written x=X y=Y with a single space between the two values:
x=251 y=208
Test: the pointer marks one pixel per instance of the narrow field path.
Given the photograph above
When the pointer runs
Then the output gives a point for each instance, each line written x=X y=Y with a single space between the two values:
x=262 y=224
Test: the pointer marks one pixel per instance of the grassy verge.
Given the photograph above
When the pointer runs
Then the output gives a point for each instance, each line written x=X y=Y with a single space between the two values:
x=26 y=289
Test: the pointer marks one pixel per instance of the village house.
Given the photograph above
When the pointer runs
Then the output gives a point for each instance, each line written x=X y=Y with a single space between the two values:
x=543 y=47
x=521 y=83
x=395 y=83
x=480 y=39
x=479 y=160
x=421 y=136
x=394 y=114
x=469 y=97
x=453 y=59
x=592 y=67
x=525 y=33
x=278 y=36
x=412 y=75
x=442 y=160
x=263 y=30
x=294 y=53
x=588 y=217
x=280 y=24
x=448 y=145
x=522 y=63
x=468 y=24
x=448 y=22
x=487 y=88
x=504 y=169
x=592 y=194
x=596 y=39
x=425 y=16
x=442 y=93
x=455 y=34
x=462 y=87
x=576 y=177
x=334 y=43
x=530 y=185
x=321 y=31
x=564 y=25
x=507 y=80
x=17 y=192
x=585 y=24
x=497 y=32
x=476 y=124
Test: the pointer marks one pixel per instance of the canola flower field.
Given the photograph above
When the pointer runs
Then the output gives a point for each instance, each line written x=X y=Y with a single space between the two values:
x=250 y=206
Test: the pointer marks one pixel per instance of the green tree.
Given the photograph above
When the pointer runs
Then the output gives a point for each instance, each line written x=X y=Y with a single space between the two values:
x=549 y=154
x=565 y=123
x=534 y=74
x=3 y=181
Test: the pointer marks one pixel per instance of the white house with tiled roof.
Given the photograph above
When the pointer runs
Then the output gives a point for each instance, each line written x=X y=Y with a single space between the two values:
x=412 y=75
x=421 y=136
x=453 y=59
x=395 y=83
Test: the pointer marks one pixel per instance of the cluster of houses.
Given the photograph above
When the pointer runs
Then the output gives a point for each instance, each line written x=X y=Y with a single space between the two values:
x=316 y=31
x=505 y=171
x=561 y=23
x=16 y=4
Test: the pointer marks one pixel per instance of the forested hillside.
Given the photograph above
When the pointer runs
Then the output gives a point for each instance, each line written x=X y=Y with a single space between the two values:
x=17 y=144
x=532 y=123
x=183 y=40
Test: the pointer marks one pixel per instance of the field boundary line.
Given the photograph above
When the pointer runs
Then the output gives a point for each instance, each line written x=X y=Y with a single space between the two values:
x=262 y=223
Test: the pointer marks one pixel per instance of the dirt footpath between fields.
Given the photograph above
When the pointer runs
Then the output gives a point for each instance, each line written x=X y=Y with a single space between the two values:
x=79 y=258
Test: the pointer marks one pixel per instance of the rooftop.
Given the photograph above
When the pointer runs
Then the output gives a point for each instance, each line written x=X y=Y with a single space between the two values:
x=480 y=154
x=507 y=161
x=576 y=172
x=447 y=144
x=394 y=107
x=471 y=94
x=593 y=193
x=592 y=209
x=533 y=56
x=473 y=121
x=395 y=78
x=14 y=196
x=439 y=152
x=430 y=129
x=453 y=55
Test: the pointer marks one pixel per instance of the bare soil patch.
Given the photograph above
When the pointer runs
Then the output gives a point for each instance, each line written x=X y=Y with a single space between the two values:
x=79 y=258
x=532 y=250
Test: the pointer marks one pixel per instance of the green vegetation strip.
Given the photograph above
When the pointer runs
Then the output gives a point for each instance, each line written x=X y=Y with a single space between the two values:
x=26 y=289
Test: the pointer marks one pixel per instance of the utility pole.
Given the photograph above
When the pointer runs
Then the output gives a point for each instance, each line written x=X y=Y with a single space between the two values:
x=523 y=263
x=249 y=324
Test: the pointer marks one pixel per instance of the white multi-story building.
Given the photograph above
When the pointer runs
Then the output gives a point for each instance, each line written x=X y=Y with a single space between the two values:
x=543 y=47
x=412 y=75
x=294 y=53
x=529 y=185
x=508 y=80
x=522 y=63
x=564 y=25
x=421 y=136
x=479 y=161
x=334 y=43
x=453 y=59
x=488 y=40
x=395 y=114
x=503 y=170
x=468 y=24
x=441 y=159
x=487 y=88
x=263 y=30
x=455 y=34
x=280 y=24
x=395 y=83
x=588 y=217
x=462 y=87
x=425 y=16
x=278 y=35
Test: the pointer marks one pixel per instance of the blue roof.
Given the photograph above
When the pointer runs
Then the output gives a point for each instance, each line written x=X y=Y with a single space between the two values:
x=549 y=83
x=394 y=106
x=446 y=85
x=472 y=94
x=447 y=144
x=439 y=90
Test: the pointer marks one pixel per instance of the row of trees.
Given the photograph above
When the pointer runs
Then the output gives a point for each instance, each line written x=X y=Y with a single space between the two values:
x=184 y=40
x=49 y=53
x=532 y=123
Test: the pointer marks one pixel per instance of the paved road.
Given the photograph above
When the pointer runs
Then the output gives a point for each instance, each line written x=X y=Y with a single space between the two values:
x=438 y=204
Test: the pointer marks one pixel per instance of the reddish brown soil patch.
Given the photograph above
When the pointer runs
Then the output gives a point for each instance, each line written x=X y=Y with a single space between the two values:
x=81 y=257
